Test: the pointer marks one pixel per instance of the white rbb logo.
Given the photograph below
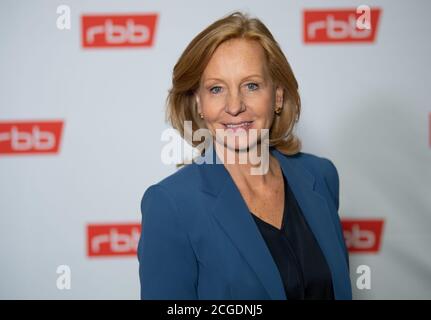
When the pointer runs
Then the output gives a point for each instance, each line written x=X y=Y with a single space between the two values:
x=359 y=239
x=115 y=239
x=26 y=137
x=118 y=34
x=338 y=29
x=25 y=141
x=105 y=31
x=341 y=25
x=363 y=235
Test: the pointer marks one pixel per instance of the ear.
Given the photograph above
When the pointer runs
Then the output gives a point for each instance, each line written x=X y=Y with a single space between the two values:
x=279 y=95
x=198 y=102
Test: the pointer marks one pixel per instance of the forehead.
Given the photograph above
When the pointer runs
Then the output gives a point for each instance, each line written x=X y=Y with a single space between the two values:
x=237 y=57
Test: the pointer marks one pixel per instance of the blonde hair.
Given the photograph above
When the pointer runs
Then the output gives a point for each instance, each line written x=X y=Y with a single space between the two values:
x=181 y=103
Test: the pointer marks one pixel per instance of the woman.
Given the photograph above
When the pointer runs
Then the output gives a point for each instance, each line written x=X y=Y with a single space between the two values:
x=215 y=229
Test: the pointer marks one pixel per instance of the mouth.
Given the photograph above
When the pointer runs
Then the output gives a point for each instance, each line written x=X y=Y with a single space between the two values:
x=238 y=125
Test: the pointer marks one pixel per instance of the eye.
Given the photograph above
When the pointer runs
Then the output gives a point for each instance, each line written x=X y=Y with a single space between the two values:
x=252 y=86
x=215 y=89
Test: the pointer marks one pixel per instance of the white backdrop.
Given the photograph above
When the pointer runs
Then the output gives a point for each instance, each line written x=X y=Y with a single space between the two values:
x=365 y=106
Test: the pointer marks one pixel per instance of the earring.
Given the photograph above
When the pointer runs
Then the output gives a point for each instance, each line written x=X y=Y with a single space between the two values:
x=277 y=110
x=201 y=115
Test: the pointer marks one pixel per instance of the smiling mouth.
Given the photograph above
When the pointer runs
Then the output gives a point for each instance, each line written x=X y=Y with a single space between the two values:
x=237 y=125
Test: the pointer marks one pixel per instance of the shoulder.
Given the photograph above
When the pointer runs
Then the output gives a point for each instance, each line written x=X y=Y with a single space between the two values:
x=317 y=165
x=325 y=171
x=184 y=177
x=179 y=185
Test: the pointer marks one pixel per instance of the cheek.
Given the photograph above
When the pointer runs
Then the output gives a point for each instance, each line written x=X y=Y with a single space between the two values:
x=212 y=108
x=259 y=101
x=264 y=109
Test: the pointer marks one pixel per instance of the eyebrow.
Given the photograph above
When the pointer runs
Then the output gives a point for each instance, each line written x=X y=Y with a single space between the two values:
x=247 y=77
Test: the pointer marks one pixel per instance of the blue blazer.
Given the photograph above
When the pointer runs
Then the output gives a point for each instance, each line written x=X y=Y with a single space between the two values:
x=199 y=240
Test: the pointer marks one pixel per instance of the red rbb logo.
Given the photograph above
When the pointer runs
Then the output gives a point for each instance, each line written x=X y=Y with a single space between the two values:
x=333 y=26
x=362 y=236
x=113 y=239
x=30 y=137
x=118 y=30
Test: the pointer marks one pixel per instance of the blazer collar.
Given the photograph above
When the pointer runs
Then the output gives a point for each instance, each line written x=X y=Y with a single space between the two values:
x=231 y=212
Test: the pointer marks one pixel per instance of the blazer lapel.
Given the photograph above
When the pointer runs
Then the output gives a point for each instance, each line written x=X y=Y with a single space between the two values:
x=318 y=216
x=233 y=215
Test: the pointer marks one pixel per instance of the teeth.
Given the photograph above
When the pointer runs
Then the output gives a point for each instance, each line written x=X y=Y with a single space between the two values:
x=242 y=124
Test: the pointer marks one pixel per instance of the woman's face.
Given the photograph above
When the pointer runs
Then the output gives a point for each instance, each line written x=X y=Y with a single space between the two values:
x=236 y=95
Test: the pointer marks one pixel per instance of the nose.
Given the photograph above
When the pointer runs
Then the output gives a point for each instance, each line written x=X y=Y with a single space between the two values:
x=234 y=104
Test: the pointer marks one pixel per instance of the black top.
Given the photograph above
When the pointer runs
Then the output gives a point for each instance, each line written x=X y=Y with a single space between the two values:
x=297 y=254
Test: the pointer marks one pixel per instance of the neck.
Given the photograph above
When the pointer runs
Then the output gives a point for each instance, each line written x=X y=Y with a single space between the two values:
x=242 y=166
